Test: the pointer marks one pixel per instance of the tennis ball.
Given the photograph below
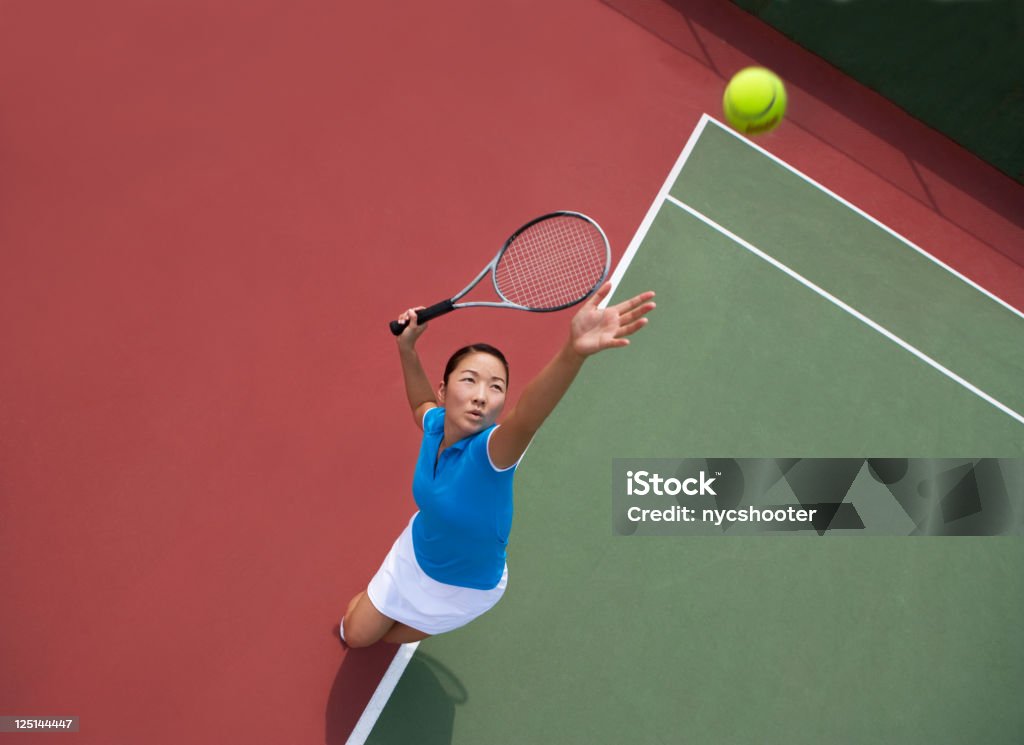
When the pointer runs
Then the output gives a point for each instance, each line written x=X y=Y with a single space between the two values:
x=754 y=101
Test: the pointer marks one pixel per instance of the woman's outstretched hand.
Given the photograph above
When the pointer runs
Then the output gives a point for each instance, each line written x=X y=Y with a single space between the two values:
x=594 y=329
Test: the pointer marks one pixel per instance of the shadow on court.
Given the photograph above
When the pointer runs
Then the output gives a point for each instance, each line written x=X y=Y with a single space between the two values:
x=427 y=695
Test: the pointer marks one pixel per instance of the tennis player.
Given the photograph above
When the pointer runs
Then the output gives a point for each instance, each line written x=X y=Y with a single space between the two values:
x=448 y=565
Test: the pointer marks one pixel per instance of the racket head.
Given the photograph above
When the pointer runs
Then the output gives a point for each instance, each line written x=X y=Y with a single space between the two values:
x=552 y=262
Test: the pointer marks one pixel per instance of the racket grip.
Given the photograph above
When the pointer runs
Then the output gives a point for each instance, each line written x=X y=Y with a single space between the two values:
x=422 y=316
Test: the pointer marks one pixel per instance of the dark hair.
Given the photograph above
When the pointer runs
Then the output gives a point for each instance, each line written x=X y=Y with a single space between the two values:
x=456 y=358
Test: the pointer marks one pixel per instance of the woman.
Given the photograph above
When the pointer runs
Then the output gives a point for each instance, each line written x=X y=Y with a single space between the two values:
x=448 y=565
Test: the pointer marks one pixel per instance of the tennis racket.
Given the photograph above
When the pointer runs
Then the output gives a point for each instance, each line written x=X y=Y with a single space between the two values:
x=553 y=262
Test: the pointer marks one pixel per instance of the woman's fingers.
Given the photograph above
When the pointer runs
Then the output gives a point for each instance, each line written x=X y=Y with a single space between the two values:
x=631 y=314
x=597 y=297
x=635 y=313
x=630 y=329
x=409 y=315
x=634 y=302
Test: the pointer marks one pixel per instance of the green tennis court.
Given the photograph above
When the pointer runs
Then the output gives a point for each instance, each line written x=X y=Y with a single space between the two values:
x=789 y=324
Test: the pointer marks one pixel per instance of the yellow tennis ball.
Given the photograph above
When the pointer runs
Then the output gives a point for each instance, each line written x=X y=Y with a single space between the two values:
x=754 y=101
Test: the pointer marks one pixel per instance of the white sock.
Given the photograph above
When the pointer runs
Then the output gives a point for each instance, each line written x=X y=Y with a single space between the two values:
x=341 y=630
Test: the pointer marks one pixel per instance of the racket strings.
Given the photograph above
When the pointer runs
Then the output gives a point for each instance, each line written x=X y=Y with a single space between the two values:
x=553 y=263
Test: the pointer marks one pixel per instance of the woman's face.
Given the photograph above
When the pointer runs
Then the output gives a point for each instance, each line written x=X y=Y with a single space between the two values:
x=475 y=393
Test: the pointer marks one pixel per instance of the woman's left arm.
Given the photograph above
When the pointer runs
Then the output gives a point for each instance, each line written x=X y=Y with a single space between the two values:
x=593 y=329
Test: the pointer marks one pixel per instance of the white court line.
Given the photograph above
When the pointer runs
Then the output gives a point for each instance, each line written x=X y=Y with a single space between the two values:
x=380 y=697
x=852 y=311
x=862 y=213
x=652 y=212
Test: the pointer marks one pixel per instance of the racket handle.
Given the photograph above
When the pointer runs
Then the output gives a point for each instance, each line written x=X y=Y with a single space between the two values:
x=422 y=316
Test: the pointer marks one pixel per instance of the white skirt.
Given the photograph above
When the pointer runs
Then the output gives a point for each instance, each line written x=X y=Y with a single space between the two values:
x=402 y=591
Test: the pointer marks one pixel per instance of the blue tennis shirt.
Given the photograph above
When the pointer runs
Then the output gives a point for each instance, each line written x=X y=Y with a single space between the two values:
x=461 y=531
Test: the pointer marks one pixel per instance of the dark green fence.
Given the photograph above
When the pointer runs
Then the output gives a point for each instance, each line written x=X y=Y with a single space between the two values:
x=957 y=65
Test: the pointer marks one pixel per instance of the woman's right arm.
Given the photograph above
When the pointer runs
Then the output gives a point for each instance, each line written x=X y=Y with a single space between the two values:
x=417 y=386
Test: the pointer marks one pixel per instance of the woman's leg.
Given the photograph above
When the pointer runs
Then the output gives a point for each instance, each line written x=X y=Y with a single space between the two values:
x=402 y=634
x=365 y=625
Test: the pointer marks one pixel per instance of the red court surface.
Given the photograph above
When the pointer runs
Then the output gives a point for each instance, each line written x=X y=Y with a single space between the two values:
x=208 y=214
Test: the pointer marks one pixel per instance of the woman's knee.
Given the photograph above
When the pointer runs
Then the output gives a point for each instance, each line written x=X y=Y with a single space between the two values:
x=356 y=639
x=363 y=623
